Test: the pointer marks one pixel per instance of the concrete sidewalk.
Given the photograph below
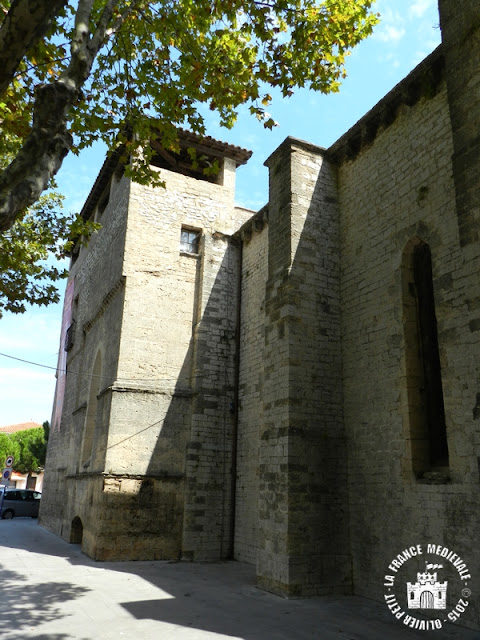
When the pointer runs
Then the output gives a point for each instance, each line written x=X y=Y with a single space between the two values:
x=51 y=591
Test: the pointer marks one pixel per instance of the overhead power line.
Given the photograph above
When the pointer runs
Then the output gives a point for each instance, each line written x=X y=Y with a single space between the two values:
x=120 y=380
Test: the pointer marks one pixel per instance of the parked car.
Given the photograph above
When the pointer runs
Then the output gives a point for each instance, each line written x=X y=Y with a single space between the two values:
x=19 y=502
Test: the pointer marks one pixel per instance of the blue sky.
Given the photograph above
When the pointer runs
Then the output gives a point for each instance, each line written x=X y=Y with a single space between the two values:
x=408 y=32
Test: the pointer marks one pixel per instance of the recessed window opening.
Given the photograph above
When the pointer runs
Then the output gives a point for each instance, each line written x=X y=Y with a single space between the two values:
x=70 y=335
x=119 y=171
x=103 y=201
x=424 y=378
x=190 y=240
x=75 y=253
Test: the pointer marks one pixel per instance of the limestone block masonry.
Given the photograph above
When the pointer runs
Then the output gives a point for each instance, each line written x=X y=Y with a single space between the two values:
x=254 y=237
x=162 y=369
x=302 y=550
x=296 y=387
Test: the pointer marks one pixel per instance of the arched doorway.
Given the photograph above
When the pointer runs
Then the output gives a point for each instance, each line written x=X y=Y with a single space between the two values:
x=426 y=600
x=76 y=531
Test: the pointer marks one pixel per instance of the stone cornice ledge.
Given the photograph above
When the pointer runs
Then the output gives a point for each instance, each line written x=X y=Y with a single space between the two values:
x=140 y=386
x=120 y=284
x=423 y=81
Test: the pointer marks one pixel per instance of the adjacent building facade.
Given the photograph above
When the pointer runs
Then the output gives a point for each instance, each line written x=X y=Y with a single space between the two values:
x=297 y=388
x=32 y=480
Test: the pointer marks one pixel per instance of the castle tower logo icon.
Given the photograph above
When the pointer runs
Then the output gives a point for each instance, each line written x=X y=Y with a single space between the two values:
x=427 y=592
x=441 y=593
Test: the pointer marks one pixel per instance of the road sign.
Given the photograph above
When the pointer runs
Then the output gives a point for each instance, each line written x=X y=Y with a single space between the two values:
x=9 y=461
x=6 y=474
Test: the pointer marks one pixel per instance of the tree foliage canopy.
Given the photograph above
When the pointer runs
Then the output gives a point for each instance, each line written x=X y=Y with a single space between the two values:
x=75 y=71
x=28 y=447
x=30 y=252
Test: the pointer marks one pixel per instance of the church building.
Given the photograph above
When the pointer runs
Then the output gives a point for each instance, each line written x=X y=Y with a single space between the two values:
x=297 y=388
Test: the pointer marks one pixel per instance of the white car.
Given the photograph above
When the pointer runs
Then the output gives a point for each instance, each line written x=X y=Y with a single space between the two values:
x=19 y=502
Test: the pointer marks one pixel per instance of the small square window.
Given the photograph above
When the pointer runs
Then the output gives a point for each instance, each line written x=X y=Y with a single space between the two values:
x=189 y=240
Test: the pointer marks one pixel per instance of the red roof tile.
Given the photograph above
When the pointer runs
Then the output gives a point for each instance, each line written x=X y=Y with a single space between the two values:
x=23 y=426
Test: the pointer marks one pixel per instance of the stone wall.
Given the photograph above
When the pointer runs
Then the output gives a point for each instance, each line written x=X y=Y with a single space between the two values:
x=176 y=381
x=397 y=190
x=460 y=23
x=303 y=531
x=263 y=399
x=250 y=388
x=158 y=376
x=209 y=465
x=97 y=311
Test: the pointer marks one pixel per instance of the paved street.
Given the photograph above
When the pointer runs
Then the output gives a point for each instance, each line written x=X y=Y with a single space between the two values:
x=51 y=591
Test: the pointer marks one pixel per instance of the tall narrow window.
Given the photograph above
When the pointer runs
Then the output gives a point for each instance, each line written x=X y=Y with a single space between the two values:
x=424 y=379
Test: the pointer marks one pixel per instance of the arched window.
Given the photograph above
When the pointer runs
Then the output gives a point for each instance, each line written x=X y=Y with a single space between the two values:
x=91 y=416
x=428 y=432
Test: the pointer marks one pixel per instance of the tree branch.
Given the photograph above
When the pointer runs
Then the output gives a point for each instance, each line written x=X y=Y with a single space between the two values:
x=28 y=175
x=49 y=140
x=105 y=19
x=26 y=22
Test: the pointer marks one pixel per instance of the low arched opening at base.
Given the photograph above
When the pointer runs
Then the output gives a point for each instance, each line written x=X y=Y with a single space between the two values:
x=76 y=531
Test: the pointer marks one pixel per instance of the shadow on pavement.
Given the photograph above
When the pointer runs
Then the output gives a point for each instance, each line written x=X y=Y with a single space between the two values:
x=243 y=611
x=196 y=598
x=24 y=607
x=43 y=636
